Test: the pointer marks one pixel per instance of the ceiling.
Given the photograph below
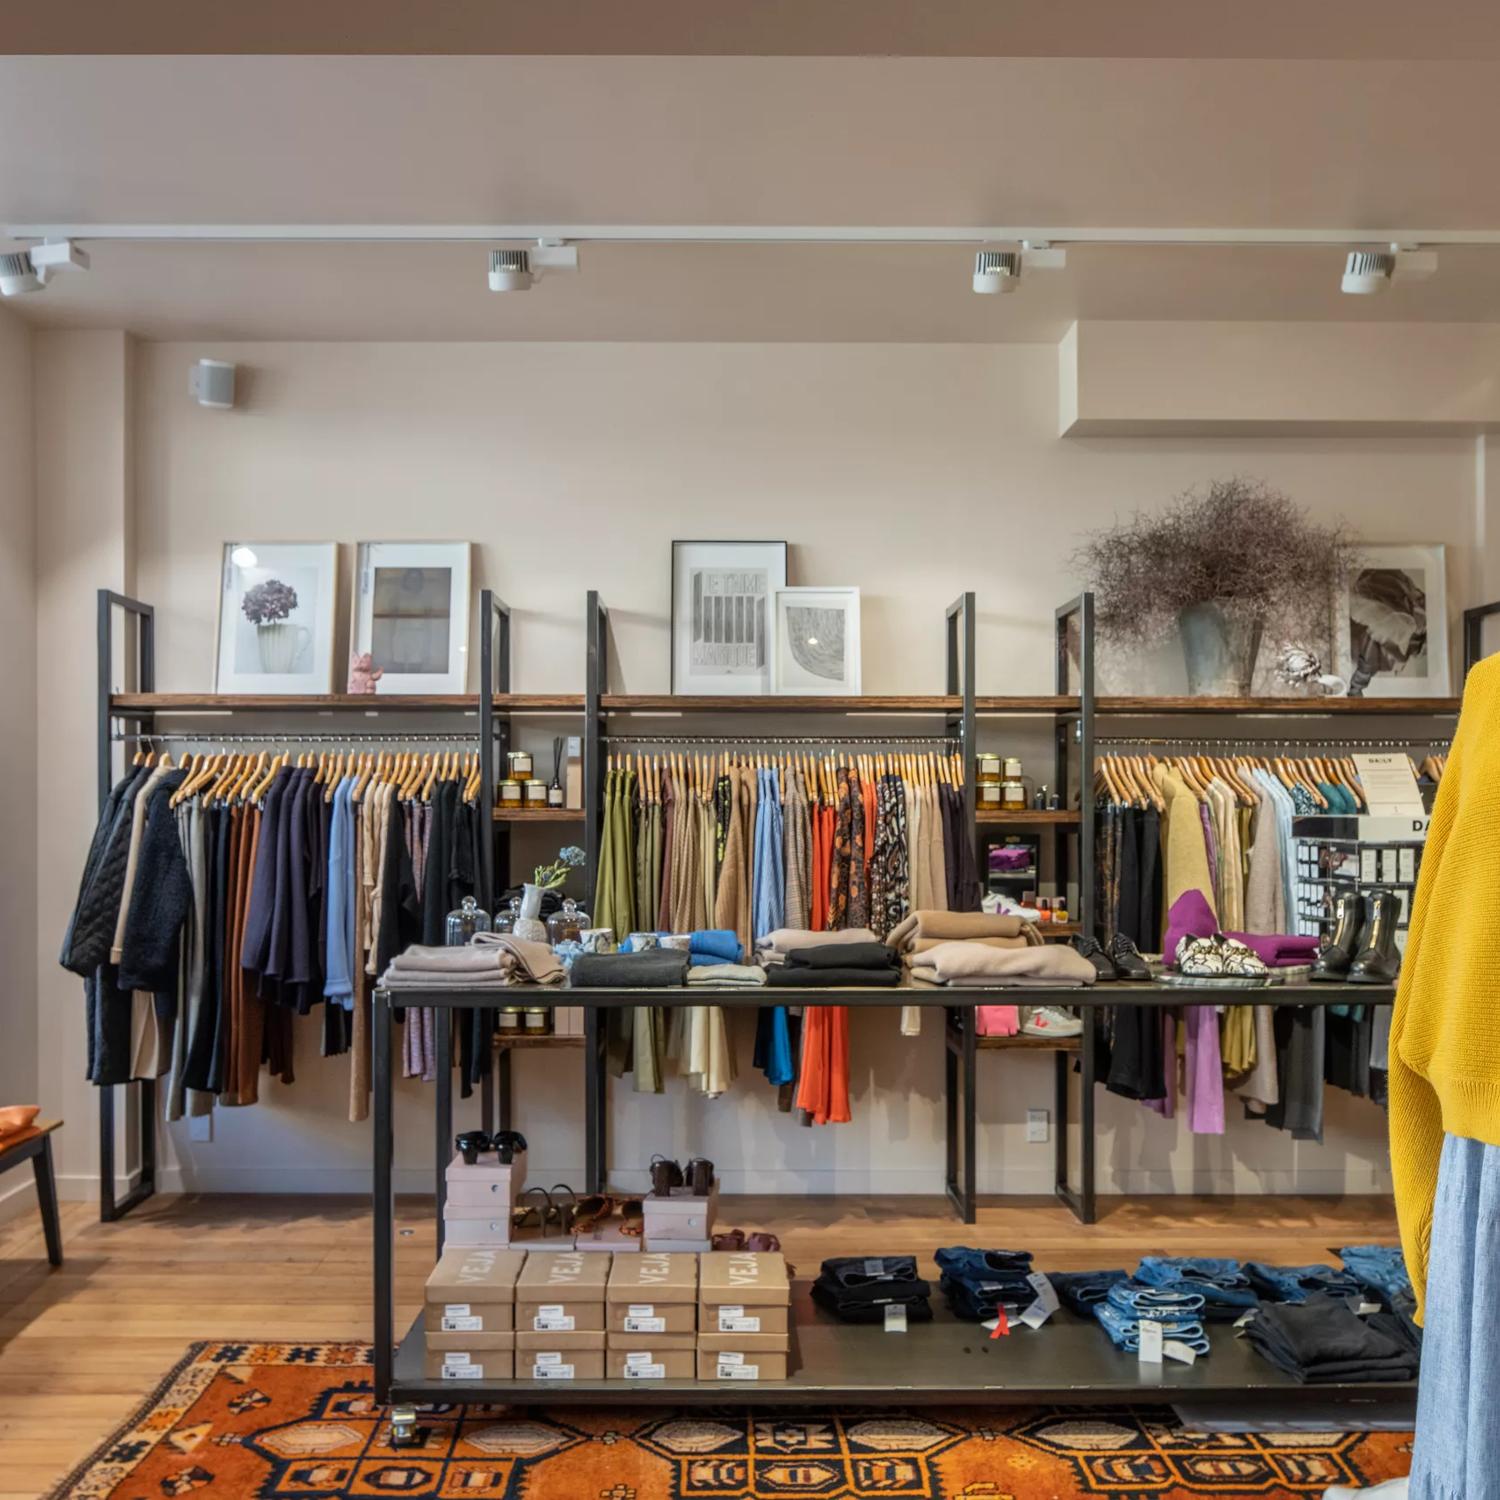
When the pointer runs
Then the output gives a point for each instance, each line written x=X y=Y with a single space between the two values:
x=1364 y=146
x=768 y=28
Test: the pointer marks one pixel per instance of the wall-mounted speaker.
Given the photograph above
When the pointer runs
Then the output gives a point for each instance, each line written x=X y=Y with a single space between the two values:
x=211 y=383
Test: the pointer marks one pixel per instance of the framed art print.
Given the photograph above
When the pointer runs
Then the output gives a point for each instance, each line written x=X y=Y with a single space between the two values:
x=277 y=608
x=1392 y=622
x=723 y=629
x=817 y=642
x=411 y=614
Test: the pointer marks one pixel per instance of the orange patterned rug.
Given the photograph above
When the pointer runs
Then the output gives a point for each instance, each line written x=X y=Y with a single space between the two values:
x=299 y=1422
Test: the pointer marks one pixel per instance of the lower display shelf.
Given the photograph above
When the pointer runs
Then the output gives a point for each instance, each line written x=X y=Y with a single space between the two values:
x=1067 y=1361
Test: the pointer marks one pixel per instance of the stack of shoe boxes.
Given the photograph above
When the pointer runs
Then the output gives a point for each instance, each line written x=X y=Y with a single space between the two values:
x=560 y=1315
x=744 y=1301
x=682 y=1221
x=477 y=1210
x=651 y=1311
x=469 y=1321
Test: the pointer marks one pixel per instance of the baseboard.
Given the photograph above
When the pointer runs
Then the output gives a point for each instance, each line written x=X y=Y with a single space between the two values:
x=18 y=1197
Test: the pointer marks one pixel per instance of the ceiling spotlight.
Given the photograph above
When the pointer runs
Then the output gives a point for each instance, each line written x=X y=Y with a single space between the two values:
x=510 y=271
x=1367 y=272
x=18 y=275
x=30 y=270
x=997 y=271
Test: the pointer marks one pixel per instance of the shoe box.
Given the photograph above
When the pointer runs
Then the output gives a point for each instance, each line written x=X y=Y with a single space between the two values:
x=479 y=1198
x=682 y=1222
x=651 y=1314
x=560 y=1315
x=469 y=1314
x=744 y=1301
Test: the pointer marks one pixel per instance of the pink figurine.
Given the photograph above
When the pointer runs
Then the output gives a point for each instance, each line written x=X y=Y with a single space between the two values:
x=363 y=674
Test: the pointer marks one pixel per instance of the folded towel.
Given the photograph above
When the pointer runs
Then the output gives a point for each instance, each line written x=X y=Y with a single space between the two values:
x=526 y=962
x=875 y=956
x=953 y=926
x=716 y=942
x=960 y=962
x=656 y=968
x=776 y=945
x=459 y=960
x=787 y=977
x=722 y=973
x=434 y=979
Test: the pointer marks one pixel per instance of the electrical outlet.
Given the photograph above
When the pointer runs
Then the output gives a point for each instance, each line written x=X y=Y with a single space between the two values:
x=1038 y=1125
x=200 y=1127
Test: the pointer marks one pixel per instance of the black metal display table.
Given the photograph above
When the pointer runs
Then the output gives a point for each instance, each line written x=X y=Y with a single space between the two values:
x=1068 y=1360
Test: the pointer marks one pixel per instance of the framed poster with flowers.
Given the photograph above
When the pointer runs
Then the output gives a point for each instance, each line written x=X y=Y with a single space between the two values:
x=277 y=608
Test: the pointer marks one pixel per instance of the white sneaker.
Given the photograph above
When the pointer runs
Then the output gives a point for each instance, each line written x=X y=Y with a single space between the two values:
x=1051 y=1020
x=1390 y=1489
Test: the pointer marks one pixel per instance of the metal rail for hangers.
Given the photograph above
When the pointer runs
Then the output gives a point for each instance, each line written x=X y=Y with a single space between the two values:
x=364 y=737
x=729 y=741
x=1315 y=743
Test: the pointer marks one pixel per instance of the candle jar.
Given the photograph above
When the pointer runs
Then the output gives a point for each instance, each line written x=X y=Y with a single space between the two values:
x=521 y=766
x=986 y=769
x=510 y=792
x=534 y=793
x=1013 y=796
x=537 y=1022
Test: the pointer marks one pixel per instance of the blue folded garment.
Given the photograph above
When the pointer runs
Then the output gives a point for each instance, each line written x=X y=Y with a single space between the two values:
x=1223 y=1285
x=1297 y=1283
x=1082 y=1291
x=1136 y=1299
x=1124 y=1329
x=1380 y=1269
x=716 y=943
x=982 y=1265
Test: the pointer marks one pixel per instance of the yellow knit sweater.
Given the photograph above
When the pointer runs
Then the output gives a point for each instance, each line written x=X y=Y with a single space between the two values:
x=1445 y=1036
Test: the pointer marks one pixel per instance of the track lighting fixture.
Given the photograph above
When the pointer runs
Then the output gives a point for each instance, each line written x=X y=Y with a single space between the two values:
x=510 y=271
x=30 y=270
x=997 y=271
x=1367 y=272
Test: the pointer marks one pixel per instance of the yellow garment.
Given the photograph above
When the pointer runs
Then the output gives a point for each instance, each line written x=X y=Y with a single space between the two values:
x=1445 y=1035
x=1186 y=853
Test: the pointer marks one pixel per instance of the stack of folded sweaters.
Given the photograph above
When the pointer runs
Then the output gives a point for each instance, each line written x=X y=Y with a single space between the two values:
x=977 y=1283
x=1323 y=1340
x=859 y=1288
x=1128 y=1304
x=489 y=960
x=833 y=965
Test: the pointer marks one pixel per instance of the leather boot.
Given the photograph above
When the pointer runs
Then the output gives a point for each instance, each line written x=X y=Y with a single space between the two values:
x=1335 y=956
x=1376 y=960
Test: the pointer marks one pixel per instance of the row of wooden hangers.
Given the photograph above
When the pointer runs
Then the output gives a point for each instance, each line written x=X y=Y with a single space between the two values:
x=699 y=773
x=1130 y=779
x=247 y=776
x=1433 y=767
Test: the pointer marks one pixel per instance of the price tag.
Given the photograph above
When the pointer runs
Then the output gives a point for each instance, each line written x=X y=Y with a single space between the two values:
x=874 y=1266
x=464 y=1324
x=738 y=1372
x=895 y=1317
x=648 y=1324
x=1366 y=1308
x=551 y=1372
x=1245 y=1319
x=1151 y=1341
x=1176 y=1349
x=1044 y=1304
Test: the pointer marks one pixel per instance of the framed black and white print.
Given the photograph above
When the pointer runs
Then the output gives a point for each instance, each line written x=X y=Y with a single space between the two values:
x=723 y=621
x=411 y=614
x=817 y=642
x=1392 y=625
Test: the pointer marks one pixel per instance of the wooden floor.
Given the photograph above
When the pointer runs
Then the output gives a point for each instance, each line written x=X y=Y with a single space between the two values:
x=82 y=1346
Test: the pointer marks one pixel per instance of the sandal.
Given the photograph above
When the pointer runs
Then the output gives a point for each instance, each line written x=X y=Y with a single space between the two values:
x=699 y=1174
x=731 y=1239
x=665 y=1175
x=562 y=1213
x=521 y=1218
x=633 y=1218
x=591 y=1211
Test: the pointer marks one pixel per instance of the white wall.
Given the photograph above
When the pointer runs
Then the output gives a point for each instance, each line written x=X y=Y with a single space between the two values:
x=912 y=471
x=18 y=673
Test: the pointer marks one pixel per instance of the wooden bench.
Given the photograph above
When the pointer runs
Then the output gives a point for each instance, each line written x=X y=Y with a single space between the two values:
x=34 y=1144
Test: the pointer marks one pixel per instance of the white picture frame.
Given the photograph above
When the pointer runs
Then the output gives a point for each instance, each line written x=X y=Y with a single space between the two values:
x=817 y=642
x=278 y=608
x=1391 y=626
x=411 y=614
x=723 y=625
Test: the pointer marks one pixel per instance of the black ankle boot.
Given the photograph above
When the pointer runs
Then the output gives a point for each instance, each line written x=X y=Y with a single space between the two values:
x=1377 y=961
x=1335 y=956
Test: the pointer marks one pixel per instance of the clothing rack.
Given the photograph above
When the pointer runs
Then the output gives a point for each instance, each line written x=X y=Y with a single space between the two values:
x=729 y=741
x=1253 y=746
x=364 y=737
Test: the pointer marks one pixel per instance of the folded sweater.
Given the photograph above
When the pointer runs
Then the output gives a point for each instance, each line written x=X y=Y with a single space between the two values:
x=873 y=955
x=952 y=926
x=776 y=945
x=657 y=968
x=731 y=974
x=960 y=962
x=787 y=977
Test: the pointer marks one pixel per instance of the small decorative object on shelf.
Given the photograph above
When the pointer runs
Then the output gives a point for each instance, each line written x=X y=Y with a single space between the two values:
x=520 y=764
x=1298 y=666
x=1220 y=565
x=465 y=922
x=363 y=674
x=566 y=925
x=534 y=793
x=505 y=921
x=545 y=878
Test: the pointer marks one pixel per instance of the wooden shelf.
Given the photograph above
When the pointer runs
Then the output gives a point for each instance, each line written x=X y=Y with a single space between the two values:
x=539 y=815
x=369 y=703
x=1022 y=704
x=504 y=1043
x=1030 y=818
x=769 y=703
x=1059 y=930
x=1285 y=707
x=1019 y=1043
